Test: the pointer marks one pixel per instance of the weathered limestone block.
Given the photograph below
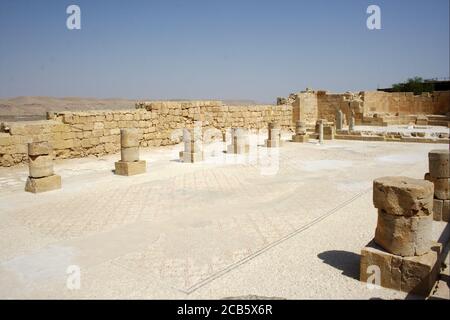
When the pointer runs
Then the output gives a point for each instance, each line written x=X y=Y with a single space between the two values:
x=422 y=120
x=44 y=184
x=389 y=265
x=129 y=154
x=239 y=141
x=40 y=166
x=273 y=143
x=274 y=135
x=329 y=132
x=446 y=211
x=439 y=164
x=441 y=187
x=437 y=209
x=441 y=210
x=300 y=138
x=129 y=164
x=130 y=168
x=300 y=127
x=300 y=132
x=404 y=236
x=193 y=146
x=415 y=275
x=39 y=148
x=191 y=157
x=40 y=159
x=274 y=130
x=403 y=196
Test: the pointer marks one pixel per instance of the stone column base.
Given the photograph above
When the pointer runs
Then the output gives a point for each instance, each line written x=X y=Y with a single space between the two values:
x=300 y=138
x=44 y=184
x=191 y=157
x=273 y=143
x=242 y=149
x=416 y=275
x=124 y=168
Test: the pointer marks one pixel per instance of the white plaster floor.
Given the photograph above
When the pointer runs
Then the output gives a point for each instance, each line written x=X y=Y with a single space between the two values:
x=287 y=223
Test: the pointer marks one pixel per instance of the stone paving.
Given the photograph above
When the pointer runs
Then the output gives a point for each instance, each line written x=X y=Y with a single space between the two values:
x=220 y=228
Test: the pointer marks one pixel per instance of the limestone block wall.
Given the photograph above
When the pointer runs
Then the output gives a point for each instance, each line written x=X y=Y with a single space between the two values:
x=441 y=100
x=80 y=134
x=402 y=103
x=309 y=106
x=328 y=103
x=305 y=107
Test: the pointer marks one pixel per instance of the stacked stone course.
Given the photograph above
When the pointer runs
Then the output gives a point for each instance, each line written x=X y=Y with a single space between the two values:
x=300 y=132
x=439 y=175
x=402 y=249
x=274 y=135
x=41 y=177
x=96 y=133
x=193 y=146
x=129 y=164
x=240 y=143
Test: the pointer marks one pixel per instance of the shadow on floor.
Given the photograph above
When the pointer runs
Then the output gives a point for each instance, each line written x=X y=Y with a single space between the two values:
x=347 y=262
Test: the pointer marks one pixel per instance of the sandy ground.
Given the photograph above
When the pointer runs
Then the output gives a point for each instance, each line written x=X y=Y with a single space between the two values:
x=286 y=223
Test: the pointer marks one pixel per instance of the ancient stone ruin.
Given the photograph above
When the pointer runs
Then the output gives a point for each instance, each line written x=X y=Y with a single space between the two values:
x=274 y=135
x=300 y=132
x=193 y=146
x=81 y=134
x=41 y=177
x=402 y=255
x=129 y=164
x=439 y=175
x=239 y=141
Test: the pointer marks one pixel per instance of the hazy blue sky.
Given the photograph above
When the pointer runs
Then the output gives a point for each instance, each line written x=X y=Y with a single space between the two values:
x=217 y=49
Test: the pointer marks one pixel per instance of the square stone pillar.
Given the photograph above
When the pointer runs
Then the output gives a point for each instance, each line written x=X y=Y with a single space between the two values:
x=274 y=135
x=193 y=145
x=239 y=141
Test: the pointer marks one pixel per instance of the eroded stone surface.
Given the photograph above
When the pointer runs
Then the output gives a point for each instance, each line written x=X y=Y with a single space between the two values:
x=44 y=184
x=441 y=187
x=130 y=168
x=39 y=148
x=129 y=154
x=439 y=163
x=415 y=275
x=403 y=196
x=129 y=138
x=404 y=236
x=40 y=166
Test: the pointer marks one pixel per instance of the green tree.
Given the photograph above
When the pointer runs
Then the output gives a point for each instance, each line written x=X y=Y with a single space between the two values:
x=416 y=85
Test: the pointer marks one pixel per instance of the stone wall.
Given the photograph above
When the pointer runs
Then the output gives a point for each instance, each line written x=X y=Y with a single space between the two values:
x=309 y=106
x=80 y=134
x=403 y=103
